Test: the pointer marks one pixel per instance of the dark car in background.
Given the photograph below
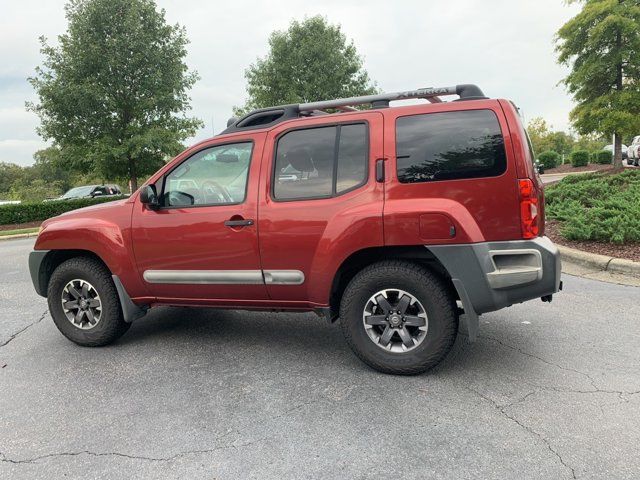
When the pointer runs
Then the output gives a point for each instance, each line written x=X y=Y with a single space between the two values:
x=91 y=191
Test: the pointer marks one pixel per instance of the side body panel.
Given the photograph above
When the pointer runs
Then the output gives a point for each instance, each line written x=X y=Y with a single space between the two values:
x=315 y=236
x=478 y=209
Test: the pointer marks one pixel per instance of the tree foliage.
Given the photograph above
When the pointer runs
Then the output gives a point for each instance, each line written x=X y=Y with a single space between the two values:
x=602 y=46
x=310 y=61
x=544 y=139
x=114 y=91
x=549 y=159
x=48 y=177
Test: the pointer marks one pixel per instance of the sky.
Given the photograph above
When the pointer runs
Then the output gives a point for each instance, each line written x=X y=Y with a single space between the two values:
x=504 y=46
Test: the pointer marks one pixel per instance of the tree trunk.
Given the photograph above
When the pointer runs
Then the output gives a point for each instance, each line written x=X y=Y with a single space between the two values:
x=617 y=151
x=617 y=137
x=133 y=184
x=133 y=176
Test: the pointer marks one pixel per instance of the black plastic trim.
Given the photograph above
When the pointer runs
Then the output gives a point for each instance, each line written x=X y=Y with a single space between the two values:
x=380 y=173
x=238 y=223
x=471 y=264
x=130 y=311
x=36 y=257
x=289 y=112
x=469 y=92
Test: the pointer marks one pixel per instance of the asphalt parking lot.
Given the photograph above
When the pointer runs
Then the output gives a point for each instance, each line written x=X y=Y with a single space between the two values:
x=548 y=391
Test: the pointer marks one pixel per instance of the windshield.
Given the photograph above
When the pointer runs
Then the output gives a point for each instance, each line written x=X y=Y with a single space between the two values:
x=78 y=192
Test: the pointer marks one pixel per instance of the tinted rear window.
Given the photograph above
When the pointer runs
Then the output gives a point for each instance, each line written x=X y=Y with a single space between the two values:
x=449 y=145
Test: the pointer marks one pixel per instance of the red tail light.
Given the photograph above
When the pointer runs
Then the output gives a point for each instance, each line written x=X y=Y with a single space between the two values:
x=528 y=209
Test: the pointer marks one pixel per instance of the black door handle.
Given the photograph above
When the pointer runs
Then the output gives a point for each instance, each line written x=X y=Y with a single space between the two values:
x=238 y=223
x=380 y=170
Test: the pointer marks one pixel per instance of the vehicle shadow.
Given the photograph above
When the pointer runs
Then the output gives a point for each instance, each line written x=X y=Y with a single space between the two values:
x=294 y=337
x=237 y=330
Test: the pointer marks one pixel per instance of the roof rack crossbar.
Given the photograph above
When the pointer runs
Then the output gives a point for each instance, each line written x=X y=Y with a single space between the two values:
x=465 y=92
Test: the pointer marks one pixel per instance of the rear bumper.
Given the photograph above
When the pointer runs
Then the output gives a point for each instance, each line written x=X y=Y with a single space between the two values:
x=495 y=275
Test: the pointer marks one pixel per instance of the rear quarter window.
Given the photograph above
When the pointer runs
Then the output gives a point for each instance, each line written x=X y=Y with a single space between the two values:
x=449 y=146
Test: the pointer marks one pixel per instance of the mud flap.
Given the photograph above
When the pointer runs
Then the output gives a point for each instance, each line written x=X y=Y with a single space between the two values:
x=130 y=311
x=470 y=317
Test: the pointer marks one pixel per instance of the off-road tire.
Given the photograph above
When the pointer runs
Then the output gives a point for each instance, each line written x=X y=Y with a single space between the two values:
x=111 y=325
x=428 y=288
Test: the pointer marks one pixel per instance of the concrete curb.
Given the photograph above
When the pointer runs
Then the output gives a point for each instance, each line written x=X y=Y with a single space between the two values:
x=600 y=262
x=18 y=235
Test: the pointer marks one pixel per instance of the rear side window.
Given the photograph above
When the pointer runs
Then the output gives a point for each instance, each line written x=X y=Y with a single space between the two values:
x=449 y=146
x=320 y=162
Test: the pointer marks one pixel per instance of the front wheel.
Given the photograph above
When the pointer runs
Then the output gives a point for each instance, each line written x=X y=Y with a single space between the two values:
x=84 y=303
x=399 y=317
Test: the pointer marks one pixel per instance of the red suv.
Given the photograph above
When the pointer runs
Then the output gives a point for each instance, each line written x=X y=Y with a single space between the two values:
x=398 y=220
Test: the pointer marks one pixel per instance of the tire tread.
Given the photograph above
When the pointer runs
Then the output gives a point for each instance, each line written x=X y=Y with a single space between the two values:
x=439 y=295
x=114 y=325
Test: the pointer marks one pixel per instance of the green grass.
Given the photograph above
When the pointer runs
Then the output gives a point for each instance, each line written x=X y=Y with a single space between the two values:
x=4 y=233
x=597 y=206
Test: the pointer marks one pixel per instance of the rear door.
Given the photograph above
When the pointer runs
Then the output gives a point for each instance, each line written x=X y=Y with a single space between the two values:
x=319 y=201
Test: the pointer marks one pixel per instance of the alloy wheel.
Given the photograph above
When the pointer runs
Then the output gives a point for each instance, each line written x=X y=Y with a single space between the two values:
x=395 y=320
x=81 y=304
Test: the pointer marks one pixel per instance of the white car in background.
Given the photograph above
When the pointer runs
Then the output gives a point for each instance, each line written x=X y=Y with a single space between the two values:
x=609 y=148
x=633 y=152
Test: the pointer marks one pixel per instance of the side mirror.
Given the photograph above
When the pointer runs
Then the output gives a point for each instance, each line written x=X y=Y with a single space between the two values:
x=97 y=194
x=149 y=197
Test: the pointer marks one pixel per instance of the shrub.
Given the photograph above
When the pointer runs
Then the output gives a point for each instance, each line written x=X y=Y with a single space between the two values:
x=33 y=212
x=597 y=206
x=602 y=157
x=549 y=159
x=579 y=158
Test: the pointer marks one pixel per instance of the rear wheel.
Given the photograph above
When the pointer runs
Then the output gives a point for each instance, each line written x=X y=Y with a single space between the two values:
x=84 y=303
x=398 y=317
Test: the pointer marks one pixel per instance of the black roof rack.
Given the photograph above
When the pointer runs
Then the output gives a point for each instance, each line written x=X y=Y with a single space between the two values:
x=266 y=117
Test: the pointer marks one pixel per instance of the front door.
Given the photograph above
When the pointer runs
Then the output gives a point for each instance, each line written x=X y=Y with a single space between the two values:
x=202 y=243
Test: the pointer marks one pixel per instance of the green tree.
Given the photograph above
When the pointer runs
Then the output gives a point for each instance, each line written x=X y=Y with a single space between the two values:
x=561 y=142
x=539 y=132
x=36 y=190
x=602 y=46
x=544 y=138
x=114 y=92
x=590 y=142
x=9 y=174
x=310 y=61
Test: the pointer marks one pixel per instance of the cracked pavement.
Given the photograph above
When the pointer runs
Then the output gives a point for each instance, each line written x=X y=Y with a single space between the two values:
x=547 y=391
